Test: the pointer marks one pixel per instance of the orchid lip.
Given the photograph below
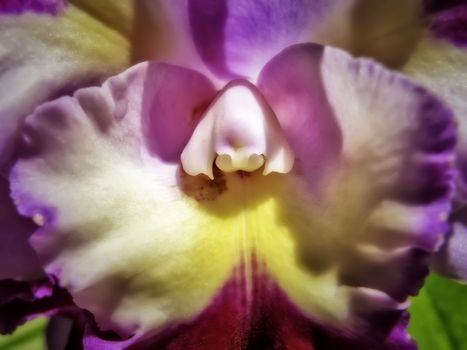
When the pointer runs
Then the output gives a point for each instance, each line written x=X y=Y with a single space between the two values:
x=238 y=132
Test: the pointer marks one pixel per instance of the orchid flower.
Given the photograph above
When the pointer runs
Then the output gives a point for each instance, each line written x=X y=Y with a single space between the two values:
x=200 y=174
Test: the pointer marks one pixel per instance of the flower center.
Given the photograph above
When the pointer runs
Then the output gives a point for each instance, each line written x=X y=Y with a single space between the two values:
x=239 y=131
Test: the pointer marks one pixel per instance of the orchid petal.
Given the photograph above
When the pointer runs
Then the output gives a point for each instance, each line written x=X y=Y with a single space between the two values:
x=439 y=63
x=113 y=120
x=43 y=56
x=323 y=119
x=154 y=252
x=329 y=102
x=236 y=38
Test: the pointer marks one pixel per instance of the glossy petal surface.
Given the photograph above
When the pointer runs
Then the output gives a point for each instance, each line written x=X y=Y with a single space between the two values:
x=317 y=261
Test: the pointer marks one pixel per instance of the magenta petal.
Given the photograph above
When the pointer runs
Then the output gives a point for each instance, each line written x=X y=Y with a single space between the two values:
x=17 y=259
x=450 y=24
x=52 y=7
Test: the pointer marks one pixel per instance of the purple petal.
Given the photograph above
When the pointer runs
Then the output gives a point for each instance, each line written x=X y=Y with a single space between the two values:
x=440 y=66
x=450 y=25
x=401 y=137
x=52 y=7
x=17 y=259
x=238 y=37
x=292 y=84
x=174 y=99
x=326 y=103
x=439 y=63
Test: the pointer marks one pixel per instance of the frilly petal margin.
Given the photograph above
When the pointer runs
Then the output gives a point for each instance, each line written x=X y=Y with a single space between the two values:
x=43 y=57
x=350 y=111
x=242 y=261
x=149 y=112
x=439 y=62
x=52 y=7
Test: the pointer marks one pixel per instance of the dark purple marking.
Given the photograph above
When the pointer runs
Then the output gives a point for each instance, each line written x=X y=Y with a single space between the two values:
x=267 y=319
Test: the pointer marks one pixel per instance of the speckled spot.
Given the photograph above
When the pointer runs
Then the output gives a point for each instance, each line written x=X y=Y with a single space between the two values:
x=200 y=187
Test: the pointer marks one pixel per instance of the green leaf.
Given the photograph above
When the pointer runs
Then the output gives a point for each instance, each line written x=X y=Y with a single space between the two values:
x=439 y=315
x=27 y=337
